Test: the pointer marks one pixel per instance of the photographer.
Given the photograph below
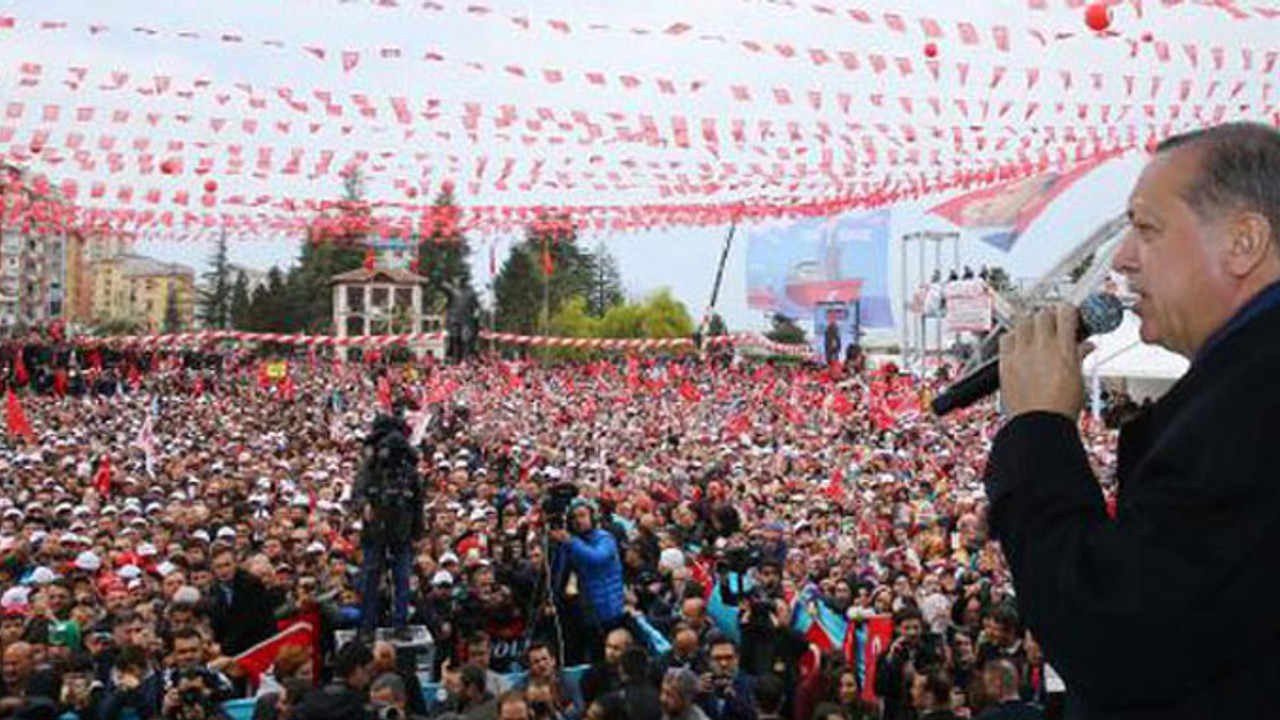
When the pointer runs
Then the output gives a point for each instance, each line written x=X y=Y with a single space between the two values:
x=388 y=498
x=769 y=644
x=726 y=693
x=192 y=698
x=591 y=556
x=912 y=651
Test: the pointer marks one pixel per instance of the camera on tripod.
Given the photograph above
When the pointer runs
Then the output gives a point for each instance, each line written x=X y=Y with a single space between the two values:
x=555 y=506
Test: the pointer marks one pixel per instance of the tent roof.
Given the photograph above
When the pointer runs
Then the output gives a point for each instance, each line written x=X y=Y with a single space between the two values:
x=1122 y=354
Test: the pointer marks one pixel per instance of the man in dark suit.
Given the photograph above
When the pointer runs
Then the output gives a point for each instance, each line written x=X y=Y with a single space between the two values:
x=240 y=609
x=1167 y=611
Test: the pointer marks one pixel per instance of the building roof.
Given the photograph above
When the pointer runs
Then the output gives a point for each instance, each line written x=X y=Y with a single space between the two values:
x=361 y=275
x=140 y=266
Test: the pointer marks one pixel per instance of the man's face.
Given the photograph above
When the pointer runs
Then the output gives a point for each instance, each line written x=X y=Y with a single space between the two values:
x=769 y=576
x=614 y=645
x=478 y=654
x=541 y=663
x=581 y=519
x=910 y=630
x=187 y=652
x=724 y=659
x=11 y=629
x=1174 y=261
x=59 y=598
x=919 y=696
x=673 y=703
x=224 y=567
x=17 y=663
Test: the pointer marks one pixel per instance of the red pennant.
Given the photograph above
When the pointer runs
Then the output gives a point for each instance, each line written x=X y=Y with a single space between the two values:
x=102 y=478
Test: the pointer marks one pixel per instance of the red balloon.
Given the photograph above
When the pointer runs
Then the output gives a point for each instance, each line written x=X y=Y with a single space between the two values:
x=211 y=186
x=169 y=167
x=931 y=50
x=1097 y=16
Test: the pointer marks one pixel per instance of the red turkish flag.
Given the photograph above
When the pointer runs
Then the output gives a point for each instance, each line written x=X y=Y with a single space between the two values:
x=301 y=630
x=18 y=424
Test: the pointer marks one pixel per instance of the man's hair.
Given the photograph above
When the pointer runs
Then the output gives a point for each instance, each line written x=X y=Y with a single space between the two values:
x=910 y=612
x=473 y=676
x=535 y=646
x=770 y=692
x=475 y=637
x=350 y=657
x=185 y=632
x=1239 y=170
x=1005 y=675
x=1006 y=616
x=390 y=682
x=509 y=697
x=938 y=686
x=634 y=663
x=719 y=638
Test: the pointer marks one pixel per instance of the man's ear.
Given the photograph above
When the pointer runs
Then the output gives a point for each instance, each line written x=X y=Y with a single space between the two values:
x=1250 y=242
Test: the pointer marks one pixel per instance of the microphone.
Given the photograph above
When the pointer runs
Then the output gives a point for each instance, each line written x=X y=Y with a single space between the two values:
x=1100 y=313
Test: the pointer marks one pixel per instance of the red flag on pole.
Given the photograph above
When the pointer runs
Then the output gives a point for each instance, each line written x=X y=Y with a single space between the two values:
x=548 y=264
x=17 y=420
x=384 y=393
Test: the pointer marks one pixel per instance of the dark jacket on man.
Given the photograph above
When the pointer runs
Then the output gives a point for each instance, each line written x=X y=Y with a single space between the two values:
x=1014 y=710
x=1192 y=559
x=249 y=617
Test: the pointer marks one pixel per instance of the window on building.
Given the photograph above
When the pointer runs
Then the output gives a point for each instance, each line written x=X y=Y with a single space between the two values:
x=379 y=297
x=355 y=326
x=355 y=298
x=404 y=298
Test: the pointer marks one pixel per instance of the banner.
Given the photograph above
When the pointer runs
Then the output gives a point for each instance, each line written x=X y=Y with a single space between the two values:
x=792 y=268
x=874 y=635
x=969 y=306
x=1001 y=214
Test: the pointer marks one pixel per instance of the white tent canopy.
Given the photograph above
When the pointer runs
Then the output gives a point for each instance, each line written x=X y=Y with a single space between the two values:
x=1147 y=370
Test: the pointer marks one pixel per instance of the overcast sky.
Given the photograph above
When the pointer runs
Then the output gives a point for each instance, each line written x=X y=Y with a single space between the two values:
x=482 y=53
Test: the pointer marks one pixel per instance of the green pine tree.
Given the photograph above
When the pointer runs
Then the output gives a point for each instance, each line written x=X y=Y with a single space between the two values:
x=606 y=282
x=240 y=300
x=215 y=297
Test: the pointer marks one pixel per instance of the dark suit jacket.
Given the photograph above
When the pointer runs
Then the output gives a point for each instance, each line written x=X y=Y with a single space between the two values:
x=248 y=620
x=1169 y=611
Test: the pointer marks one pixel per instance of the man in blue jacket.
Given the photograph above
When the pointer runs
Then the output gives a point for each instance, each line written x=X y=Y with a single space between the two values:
x=589 y=560
x=1168 y=610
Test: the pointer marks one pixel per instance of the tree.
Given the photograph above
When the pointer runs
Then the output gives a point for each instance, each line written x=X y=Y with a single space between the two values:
x=442 y=255
x=524 y=288
x=517 y=291
x=325 y=254
x=268 y=311
x=785 y=330
x=606 y=282
x=172 y=311
x=215 y=297
x=240 y=300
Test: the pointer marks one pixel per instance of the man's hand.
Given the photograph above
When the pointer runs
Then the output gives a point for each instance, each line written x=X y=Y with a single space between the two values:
x=1040 y=364
x=559 y=535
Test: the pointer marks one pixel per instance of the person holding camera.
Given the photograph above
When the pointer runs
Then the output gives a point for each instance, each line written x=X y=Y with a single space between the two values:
x=726 y=693
x=388 y=498
x=586 y=557
x=192 y=698
x=911 y=651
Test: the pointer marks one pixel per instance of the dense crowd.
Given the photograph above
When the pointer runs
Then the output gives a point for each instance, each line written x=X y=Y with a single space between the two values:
x=625 y=539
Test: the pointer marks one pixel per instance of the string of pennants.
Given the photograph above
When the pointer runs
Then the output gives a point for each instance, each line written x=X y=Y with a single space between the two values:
x=212 y=337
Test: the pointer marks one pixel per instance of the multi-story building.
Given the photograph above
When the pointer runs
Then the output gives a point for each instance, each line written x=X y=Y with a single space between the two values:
x=32 y=263
x=140 y=290
x=82 y=252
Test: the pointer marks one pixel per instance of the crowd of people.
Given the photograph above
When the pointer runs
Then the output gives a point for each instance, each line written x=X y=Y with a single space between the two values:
x=604 y=539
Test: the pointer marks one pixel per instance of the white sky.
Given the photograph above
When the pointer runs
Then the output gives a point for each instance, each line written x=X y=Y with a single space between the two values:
x=709 y=56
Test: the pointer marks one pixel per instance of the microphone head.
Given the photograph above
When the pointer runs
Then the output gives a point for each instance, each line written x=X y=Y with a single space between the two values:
x=1100 y=313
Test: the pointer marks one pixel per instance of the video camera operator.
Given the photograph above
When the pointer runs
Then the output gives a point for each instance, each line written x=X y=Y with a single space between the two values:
x=912 y=649
x=586 y=568
x=388 y=497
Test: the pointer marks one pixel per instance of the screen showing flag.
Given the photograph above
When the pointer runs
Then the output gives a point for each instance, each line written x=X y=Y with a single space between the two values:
x=794 y=267
x=1002 y=213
